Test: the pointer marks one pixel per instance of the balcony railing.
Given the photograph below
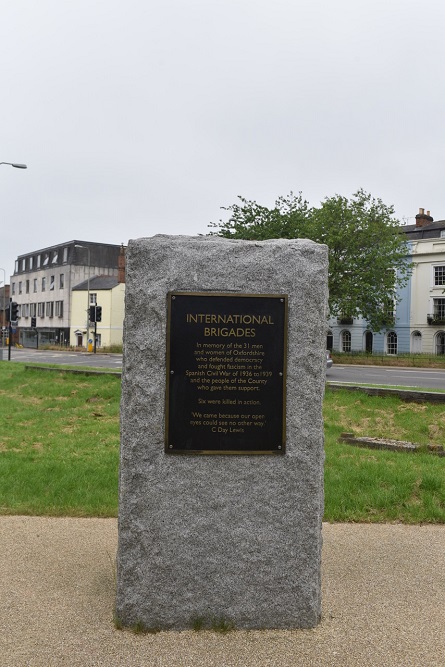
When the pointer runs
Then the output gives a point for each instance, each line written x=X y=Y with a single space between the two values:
x=436 y=319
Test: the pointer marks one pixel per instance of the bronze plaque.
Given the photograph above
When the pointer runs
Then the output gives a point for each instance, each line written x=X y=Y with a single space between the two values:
x=226 y=373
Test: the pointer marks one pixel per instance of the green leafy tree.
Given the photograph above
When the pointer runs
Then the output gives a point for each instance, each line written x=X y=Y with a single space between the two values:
x=367 y=252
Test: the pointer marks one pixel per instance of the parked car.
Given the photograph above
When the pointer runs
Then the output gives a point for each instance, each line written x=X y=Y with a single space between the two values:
x=329 y=361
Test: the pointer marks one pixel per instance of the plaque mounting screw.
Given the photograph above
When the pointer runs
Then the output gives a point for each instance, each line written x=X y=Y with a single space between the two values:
x=173 y=297
x=279 y=446
x=172 y=372
x=280 y=374
x=282 y=300
x=170 y=446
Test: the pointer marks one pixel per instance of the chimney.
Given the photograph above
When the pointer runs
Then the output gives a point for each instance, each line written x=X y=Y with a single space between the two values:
x=422 y=219
x=121 y=265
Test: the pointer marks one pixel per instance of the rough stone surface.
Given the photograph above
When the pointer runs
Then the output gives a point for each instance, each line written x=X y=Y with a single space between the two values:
x=236 y=538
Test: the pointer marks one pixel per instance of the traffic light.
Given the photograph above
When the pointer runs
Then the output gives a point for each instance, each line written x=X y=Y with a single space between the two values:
x=33 y=322
x=13 y=311
x=95 y=313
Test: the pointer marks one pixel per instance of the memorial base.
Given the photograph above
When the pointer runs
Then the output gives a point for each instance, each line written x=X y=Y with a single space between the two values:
x=231 y=536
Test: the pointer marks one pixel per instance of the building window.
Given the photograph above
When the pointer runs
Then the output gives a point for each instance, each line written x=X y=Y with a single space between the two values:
x=391 y=343
x=20 y=287
x=329 y=341
x=93 y=298
x=43 y=284
x=439 y=309
x=27 y=287
x=369 y=340
x=13 y=288
x=33 y=310
x=35 y=285
x=31 y=263
x=16 y=269
x=51 y=282
x=345 y=319
x=55 y=257
x=23 y=264
x=25 y=310
x=59 y=308
x=65 y=254
x=346 y=341
x=439 y=275
x=61 y=281
x=50 y=308
x=41 y=309
x=45 y=259
x=440 y=343
x=389 y=308
x=38 y=261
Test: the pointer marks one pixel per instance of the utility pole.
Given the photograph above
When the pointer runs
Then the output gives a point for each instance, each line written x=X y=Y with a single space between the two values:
x=13 y=311
x=87 y=248
x=3 y=306
x=9 y=329
x=17 y=165
x=95 y=315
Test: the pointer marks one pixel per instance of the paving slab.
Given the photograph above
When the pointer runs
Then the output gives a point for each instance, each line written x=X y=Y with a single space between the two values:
x=383 y=603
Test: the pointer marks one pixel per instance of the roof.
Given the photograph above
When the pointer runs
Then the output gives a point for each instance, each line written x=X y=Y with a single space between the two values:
x=74 y=242
x=97 y=283
x=77 y=253
x=431 y=231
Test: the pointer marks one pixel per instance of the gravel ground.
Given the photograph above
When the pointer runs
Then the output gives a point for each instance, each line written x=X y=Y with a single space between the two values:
x=383 y=603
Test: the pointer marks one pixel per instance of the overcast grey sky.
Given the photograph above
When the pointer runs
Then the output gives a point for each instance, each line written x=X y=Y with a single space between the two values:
x=146 y=116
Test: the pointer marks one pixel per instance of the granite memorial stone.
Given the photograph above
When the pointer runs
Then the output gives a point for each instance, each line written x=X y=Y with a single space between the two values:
x=221 y=464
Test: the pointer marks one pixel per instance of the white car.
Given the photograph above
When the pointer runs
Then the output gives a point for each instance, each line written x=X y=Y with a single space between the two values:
x=329 y=361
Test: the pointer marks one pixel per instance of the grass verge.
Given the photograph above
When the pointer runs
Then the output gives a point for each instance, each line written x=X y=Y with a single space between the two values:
x=371 y=485
x=59 y=442
x=59 y=439
x=400 y=387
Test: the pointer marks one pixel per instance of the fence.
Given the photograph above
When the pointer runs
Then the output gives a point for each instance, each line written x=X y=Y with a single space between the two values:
x=380 y=359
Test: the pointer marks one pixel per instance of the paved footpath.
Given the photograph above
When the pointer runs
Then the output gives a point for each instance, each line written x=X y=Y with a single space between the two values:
x=383 y=603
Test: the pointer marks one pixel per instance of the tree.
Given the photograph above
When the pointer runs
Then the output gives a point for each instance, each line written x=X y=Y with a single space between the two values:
x=367 y=252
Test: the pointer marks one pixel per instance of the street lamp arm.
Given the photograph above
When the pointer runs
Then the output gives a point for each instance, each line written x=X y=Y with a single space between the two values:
x=17 y=165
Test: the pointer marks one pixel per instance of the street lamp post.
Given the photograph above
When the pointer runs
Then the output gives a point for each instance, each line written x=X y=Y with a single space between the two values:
x=88 y=289
x=3 y=304
x=17 y=165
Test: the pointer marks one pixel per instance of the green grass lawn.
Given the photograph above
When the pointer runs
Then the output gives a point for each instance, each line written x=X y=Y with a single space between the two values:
x=373 y=485
x=59 y=443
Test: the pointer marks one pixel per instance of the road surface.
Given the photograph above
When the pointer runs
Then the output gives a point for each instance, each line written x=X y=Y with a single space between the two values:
x=427 y=378
x=28 y=355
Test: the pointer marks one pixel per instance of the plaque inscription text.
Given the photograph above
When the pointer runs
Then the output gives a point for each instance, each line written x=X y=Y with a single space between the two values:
x=226 y=373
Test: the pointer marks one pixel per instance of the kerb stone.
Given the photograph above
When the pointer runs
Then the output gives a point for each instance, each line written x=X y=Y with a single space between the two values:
x=221 y=538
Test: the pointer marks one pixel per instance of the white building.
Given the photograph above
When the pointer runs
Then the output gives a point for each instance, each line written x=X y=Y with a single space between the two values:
x=43 y=281
x=108 y=293
x=419 y=316
x=427 y=301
